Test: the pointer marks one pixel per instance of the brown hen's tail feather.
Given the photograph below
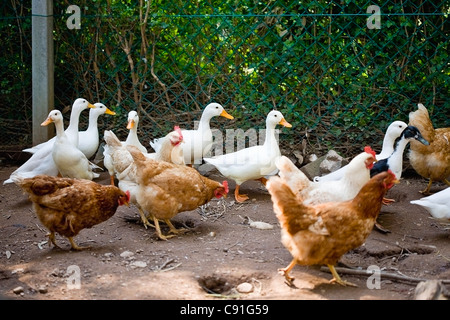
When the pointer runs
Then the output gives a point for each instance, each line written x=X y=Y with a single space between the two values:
x=290 y=211
x=136 y=153
x=291 y=175
x=421 y=119
x=111 y=139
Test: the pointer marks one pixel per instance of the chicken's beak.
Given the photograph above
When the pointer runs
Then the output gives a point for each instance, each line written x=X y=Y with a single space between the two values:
x=46 y=122
x=108 y=111
x=130 y=124
x=226 y=115
x=283 y=122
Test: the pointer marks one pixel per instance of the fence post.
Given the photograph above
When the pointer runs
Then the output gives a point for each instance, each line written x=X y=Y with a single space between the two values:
x=42 y=67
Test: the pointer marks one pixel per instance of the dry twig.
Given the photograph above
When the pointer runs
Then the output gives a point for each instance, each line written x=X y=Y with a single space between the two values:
x=383 y=274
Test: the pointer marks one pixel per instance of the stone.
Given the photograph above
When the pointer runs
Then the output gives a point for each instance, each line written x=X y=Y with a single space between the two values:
x=127 y=254
x=138 y=264
x=430 y=290
x=206 y=169
x=312 y=169
x=332 y=162
x=244 y=287
x=42 y=289
x=18 y=290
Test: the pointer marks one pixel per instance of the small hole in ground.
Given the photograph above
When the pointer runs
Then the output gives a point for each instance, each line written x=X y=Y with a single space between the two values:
x=215 y=284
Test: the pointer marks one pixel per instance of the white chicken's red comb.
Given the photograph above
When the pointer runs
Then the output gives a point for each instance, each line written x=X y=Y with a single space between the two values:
x=368 y=149
x=178 y=130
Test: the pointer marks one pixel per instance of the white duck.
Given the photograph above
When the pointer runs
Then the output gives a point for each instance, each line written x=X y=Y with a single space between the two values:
x=132 y=138
x=71 y=131
x=394 y=131
x=252 y=163
x=438 y=204
x=88 y=140
x=197 y=143
x=41 y=162
x=69 y=160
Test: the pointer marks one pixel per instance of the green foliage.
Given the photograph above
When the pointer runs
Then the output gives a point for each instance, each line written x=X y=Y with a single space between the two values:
x=316 y=61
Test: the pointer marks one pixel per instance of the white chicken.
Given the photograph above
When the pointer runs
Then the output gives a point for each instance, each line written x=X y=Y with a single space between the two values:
x=394 y=131
x=346 y=188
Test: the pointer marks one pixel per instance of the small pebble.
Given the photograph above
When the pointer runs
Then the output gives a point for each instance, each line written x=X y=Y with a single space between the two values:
x=18 y=290
x=138 y=264
x=43 y=289
x=127 y=254
x=245 y=287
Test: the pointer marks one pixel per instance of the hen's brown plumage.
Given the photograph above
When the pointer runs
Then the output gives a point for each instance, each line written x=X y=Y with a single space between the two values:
x=432 y=161
x=67 y=206
x=321 y=234
x=165 y=189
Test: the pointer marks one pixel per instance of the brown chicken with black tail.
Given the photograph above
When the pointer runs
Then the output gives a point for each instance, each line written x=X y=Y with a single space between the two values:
x=322 y=233
x=67 y=206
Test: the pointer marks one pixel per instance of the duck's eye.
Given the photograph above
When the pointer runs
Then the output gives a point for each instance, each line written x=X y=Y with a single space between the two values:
x=275 y=116
x=217 y=107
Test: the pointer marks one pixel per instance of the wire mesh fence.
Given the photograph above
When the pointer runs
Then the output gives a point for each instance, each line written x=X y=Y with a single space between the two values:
x=340 y=72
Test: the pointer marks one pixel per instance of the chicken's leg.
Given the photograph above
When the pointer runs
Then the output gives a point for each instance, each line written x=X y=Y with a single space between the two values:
x=447 y=182
x=427 y=189
x=158 y=230
x=75 y=246
x=111 y=180
x=144 y=218
x=51 y=239
x=337 y=278
x=285 y=272
x=173 y=229
x=239 y=197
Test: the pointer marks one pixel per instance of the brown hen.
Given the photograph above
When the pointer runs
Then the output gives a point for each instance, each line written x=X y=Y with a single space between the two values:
x=322 y=233
x=165 y=189
x=67 y=206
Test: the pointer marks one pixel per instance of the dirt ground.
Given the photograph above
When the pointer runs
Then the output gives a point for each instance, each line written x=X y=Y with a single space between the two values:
x=219 y=252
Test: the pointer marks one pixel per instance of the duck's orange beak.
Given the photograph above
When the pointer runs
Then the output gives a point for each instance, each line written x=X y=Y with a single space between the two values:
x=283 y=122
x=110 y=112
x=47 y=122
x=130 y=124
x=226 y=115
